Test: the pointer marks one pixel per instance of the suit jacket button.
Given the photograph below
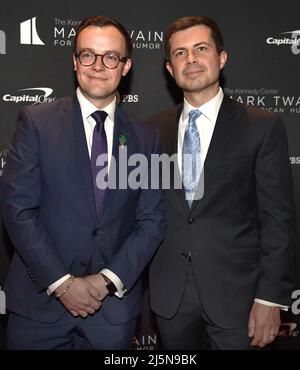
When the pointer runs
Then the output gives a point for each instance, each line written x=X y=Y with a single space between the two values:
x=191 y=220
x=96 y=232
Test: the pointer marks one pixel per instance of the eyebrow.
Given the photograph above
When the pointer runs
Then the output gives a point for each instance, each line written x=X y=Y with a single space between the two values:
x=104 y=52
x=194 y=46
x=202 y=43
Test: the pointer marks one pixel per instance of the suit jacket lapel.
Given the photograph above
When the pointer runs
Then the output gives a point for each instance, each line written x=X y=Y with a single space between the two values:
x=74 y=129
x=219 y=147
x=124 y=141
x=220 y=143
x=169 y=138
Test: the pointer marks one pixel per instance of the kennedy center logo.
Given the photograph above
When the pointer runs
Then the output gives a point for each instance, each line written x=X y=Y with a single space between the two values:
x=29 y=34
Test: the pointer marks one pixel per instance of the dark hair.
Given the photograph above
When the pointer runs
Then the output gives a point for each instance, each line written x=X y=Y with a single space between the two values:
x=103 y=21
x=186 y=22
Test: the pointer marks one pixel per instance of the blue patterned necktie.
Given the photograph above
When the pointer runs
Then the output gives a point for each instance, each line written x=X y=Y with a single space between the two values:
x=191 y=156
x=99 y=146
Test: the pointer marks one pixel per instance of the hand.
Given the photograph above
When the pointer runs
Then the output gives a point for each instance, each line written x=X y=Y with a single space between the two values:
x=81 y=298
x=263 y=326
x=98 y=282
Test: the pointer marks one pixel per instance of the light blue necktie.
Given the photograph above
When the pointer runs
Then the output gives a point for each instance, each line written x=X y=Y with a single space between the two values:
x=191 y=156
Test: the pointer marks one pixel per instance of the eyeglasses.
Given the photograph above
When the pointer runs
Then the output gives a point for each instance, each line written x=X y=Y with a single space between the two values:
x=110 y=60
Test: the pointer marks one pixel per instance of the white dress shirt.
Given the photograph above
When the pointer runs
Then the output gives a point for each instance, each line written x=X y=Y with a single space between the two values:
x=87 y=108
x=206 y=124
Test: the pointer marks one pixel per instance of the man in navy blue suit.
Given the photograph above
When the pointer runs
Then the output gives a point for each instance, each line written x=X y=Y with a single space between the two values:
x=74 y=281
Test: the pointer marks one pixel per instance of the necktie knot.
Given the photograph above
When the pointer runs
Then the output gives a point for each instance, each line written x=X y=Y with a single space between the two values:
x=194 y=114
x=99 y=116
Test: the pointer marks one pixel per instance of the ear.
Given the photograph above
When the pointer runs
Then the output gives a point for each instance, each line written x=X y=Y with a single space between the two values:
x=169 y=68
x=74 y=62
x=223 y=59
x=127 y=67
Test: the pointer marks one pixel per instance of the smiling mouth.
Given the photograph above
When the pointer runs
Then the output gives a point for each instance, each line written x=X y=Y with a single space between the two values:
x=97 y=78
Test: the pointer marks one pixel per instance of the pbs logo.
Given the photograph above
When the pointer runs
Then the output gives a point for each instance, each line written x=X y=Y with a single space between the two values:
x=130 y=98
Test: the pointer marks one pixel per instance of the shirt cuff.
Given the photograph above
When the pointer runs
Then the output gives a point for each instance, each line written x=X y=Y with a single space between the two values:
x=52 y=287
x=116 y=281
x=271 y=304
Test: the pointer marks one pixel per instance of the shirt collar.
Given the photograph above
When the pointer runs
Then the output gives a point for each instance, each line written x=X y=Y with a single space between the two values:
x=210 y=109
x=87 y=108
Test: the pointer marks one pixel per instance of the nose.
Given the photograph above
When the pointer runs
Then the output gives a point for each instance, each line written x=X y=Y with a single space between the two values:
x=191 y=58
x=98 y=65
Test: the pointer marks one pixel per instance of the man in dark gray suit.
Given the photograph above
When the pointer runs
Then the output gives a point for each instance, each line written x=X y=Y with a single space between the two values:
x=225 y=268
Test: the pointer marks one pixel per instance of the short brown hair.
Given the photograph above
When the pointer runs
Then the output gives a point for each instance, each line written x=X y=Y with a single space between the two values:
x=103 y=21
x=190 y=21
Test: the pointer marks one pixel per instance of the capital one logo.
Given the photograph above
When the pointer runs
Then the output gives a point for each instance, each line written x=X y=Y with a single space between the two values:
x=291 y=38
x=28 y=33
x=2 y=42
x=30 y=96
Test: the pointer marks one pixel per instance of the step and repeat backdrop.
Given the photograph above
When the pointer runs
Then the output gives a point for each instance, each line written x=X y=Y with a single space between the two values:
x=262 y=40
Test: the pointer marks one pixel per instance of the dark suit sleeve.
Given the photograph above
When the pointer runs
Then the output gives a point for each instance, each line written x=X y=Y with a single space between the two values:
x=147 y=233
x=21 y=204
x=276 y=212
